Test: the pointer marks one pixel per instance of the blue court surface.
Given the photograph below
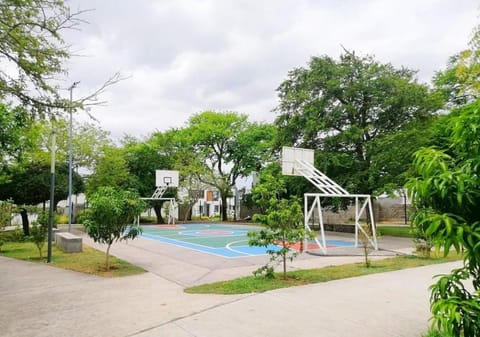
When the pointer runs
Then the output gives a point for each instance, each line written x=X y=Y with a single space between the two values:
x=228 y=241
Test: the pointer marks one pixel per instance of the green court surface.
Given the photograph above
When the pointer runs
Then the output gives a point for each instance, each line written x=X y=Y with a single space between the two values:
x=229 y=241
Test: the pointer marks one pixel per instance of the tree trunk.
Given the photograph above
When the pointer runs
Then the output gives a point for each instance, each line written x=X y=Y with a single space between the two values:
x=107 y=262
x=157 y=207
x=188 y=213
x=224 y=206
x=25 y=224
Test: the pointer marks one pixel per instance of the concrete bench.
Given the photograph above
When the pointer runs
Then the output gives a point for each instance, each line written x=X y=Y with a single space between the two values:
x=68 y=242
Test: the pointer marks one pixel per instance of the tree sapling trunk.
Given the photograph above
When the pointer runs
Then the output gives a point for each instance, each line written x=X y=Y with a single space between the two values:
x=107 y=262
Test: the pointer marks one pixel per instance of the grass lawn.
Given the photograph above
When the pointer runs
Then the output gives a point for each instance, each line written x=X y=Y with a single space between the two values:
x=90 y=261
x=251 y=284
x=402 y=231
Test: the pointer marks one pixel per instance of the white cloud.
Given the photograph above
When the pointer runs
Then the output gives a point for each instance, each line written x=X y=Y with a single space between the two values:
x=186 y=56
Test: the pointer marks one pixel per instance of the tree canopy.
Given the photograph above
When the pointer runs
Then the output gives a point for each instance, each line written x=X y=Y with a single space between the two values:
x=341 y=107
x=110 y=216
x=32 y=48
x=142 y=159
x=227 y=147
x=29 y=184
x=446 y=195
x=13 y=125
x=110 y=170
x=460 y=81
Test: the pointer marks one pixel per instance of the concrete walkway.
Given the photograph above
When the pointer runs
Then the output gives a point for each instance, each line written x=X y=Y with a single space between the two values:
x=40 y=300
x=188 y=267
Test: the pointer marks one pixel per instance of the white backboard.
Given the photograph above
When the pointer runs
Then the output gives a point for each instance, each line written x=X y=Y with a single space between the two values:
x=166 y=178
x=290 y=156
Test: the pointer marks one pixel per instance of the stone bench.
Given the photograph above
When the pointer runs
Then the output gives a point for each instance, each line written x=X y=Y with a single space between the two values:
x=68 y=242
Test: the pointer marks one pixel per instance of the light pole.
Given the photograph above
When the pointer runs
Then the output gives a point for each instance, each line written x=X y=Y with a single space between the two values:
x=70 y=151
x=52 y=195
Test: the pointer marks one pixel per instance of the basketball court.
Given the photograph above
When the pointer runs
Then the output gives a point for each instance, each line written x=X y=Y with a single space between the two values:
x=224 y=240
x=231 y=241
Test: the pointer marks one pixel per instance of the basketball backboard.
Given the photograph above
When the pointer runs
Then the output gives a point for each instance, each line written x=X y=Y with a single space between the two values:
x=290 y=158
x=166 y=178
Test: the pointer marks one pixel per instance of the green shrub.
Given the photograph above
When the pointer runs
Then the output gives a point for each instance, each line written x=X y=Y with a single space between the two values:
x=5 y=213
x=110 y=216
x=38 y=235
x=17 y=236
x=80 y=217
x=445 y=194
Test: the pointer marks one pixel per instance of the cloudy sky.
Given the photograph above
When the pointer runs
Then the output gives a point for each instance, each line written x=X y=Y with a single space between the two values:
x=181 y=57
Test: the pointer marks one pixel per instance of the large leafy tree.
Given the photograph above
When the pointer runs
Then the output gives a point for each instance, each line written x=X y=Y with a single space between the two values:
x=175 y=145
x=13 y=125
x=460 y=81
x=392 y=154
x=110 y=170
x=341 y=107
x=29 y=184
x=227 y=146
x=32 y=51
x=446 y=195
x=142 y=159
x=88 y=142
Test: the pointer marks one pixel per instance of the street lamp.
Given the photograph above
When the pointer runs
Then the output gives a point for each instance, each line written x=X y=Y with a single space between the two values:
x=52 y=196
x=70 y=151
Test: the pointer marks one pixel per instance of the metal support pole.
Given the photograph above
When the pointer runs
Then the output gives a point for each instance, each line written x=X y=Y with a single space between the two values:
x=70 y=155
x=305 y=222
x=52 y=196
x=357 y=219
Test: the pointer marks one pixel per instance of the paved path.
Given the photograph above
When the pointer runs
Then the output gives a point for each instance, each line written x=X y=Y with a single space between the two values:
x=187 y=267
x=40 y=300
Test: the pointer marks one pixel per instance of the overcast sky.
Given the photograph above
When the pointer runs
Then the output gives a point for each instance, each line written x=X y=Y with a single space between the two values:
x=183 y=57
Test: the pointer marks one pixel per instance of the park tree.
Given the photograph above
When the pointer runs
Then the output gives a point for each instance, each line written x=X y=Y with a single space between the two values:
x=110 y=216
x=341 y=107
x=271 y=185
x=29 y=184
x=392 y=154
x=34 y=51
x=14 y=123
x=88 y=142
x=175 y=145
x=34 y=56
x=459 y=83
x=110 y=170
x=282 y=220
x=142 y=159
x=446 y=195
x=39 y=231
x=227 y=147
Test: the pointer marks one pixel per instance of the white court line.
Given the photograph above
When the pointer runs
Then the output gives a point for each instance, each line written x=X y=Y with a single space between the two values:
x=238 y=251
